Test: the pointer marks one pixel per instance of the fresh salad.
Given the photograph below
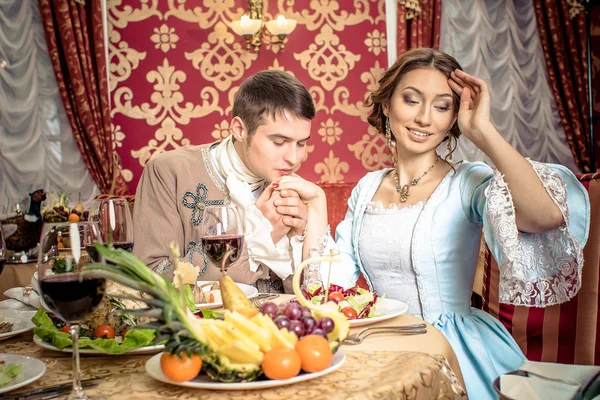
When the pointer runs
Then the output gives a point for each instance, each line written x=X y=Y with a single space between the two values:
x=354 y=302
x=102 y=338
x=10 y=374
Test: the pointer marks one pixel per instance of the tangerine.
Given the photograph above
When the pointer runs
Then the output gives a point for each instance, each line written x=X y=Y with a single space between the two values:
x=73 y=218
x=281 y=363
x=315 y=353
x=180 y=368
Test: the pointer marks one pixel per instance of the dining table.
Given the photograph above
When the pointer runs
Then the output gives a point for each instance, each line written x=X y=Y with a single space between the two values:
x=386 y=366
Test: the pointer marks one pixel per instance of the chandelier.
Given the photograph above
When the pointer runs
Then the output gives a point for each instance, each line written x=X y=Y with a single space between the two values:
x=251 y=26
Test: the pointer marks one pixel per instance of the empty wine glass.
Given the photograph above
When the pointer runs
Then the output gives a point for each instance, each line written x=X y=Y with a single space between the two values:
x=222 y=235
x=62 y=255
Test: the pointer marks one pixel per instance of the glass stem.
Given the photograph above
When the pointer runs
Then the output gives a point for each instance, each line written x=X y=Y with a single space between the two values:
x=77 y=392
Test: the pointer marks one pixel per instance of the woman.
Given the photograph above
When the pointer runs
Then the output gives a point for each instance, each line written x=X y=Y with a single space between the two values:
x=414 y=230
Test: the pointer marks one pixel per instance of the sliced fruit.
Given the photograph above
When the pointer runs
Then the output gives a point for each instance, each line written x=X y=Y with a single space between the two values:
x=329 y=309
x=254 y=332
x=280 y=338
x=239 y=353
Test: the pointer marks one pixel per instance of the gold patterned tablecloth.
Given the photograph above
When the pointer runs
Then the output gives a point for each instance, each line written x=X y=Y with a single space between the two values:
x=364 y=375
x=389 y=366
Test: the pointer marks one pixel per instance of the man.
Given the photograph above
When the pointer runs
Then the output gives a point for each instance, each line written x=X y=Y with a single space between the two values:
x=272 y=114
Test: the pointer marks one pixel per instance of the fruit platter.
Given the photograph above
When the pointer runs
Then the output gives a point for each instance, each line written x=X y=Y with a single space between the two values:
x=59 y=211
x=244 y=345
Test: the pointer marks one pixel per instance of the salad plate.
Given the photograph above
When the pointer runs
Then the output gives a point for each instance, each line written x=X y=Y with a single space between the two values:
x=384 y=309
x=204 y=382
x=32 y=369
x=21 y=322
x=140 y=350
x=249 y=291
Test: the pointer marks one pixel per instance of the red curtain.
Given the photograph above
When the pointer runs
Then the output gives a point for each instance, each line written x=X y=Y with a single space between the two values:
x=75 y=39
x=564 y=44
x=418 y=24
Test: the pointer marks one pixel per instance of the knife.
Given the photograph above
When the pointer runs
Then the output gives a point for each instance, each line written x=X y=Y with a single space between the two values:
x=62 y=388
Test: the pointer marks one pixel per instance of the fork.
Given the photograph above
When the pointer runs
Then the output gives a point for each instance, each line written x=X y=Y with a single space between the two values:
x=357 y=338
x=261 y=298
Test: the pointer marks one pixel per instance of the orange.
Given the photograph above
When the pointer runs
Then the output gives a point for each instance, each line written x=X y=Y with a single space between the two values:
x=180 y=368
x=315 y=353
x=73 y=218
x=281 y=364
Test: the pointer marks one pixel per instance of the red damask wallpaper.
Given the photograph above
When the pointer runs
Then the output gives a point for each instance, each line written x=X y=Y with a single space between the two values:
x=175 y=66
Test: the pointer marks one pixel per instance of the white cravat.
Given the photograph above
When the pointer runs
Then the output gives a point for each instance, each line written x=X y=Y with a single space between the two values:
x=244 y=188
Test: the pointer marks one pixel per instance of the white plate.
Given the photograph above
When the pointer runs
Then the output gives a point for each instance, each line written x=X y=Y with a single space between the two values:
x=249 y=291
x=20 y=319
x=142 y=350
x=204 y=382
x=32 y=369
x=388 y=308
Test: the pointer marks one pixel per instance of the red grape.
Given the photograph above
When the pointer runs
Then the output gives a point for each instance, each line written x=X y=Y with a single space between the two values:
x=326 y=324
x=269 y=309
x=292 y=311
x=282 y=322
x=297 y=328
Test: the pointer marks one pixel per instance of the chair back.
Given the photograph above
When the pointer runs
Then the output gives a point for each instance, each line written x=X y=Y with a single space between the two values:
x=566 y=333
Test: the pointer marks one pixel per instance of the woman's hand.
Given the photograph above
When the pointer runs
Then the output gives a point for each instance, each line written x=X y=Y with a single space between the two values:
x=309 y=192
x=474 y=112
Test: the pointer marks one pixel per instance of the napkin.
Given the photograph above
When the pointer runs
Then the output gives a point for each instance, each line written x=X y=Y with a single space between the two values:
x=19 y=300
x=553 y=381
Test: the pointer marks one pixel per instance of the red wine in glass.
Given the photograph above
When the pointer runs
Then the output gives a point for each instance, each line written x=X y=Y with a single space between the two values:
x=222 y=250
x=72 y=296
x=95 y=257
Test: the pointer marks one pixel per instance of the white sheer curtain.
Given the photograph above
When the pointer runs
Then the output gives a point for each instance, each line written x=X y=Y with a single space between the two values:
x=37 y=147
x=498 y=41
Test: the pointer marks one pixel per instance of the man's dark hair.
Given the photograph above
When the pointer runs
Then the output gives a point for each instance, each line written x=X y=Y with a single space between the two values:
x=271 y=93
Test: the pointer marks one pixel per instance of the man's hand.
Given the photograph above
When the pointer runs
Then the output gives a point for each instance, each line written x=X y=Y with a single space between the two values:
x=265 y=204
x=293 y=210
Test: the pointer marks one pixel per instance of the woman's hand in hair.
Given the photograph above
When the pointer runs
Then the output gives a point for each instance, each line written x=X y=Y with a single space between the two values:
x=474 y=111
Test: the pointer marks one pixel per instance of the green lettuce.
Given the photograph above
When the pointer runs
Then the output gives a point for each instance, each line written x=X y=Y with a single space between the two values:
x=189 y=298
x=48 y=332
x=10 y=373
x=360 y=301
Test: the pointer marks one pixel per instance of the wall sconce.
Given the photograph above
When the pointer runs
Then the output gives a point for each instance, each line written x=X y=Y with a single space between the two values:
x=250 y=26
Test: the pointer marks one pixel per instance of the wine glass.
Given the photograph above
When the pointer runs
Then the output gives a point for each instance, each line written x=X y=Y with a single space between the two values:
x=222 y=235
x=62 y=255
x=115 y=222
x=2 y=250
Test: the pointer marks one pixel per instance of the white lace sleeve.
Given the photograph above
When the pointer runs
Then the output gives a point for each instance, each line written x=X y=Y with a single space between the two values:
x=538 y=269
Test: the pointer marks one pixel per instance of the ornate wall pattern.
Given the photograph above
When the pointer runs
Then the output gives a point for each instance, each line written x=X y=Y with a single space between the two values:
x=175 y=66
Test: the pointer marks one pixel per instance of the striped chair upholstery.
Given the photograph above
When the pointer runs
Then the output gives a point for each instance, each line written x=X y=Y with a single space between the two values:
x=567 y=333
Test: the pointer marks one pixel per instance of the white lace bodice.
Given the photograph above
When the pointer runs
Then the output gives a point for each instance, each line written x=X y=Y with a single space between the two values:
x=385 y=248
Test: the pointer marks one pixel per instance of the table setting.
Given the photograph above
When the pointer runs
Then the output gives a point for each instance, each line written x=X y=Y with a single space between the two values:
x=191 y=338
